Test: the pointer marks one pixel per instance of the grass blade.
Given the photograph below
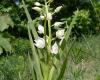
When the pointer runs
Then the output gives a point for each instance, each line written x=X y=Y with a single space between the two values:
x=63 y=67
x=31 y=24
x=36 y=58
x=67 y=34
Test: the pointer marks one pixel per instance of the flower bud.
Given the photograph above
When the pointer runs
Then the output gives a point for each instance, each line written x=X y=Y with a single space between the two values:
x=37 y=9
x=40 y=29
x=40 y=43
x=57 y=24
x=60 y=34
x=37 y=4
x=58 y=9
x=16 y=2
x=42 y=17
x=49 y=16
x=54 y=49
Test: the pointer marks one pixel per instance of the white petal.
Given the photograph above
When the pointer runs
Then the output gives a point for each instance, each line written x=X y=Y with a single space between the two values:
x=42 y=17
x=40 y=43
x=49 y=16
x=58 y=9
x=40 y=29
x=57 y=24
x=54 y=49
x=60 y=34
x=37 y=9
x=37 y=4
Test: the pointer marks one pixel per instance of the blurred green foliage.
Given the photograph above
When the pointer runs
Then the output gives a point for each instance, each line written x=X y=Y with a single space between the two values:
x=83 y=24
x=13 y=35
x=87 y=20
x=11 y=66
x=5 y=23
x=83 y=62
x=21 y=46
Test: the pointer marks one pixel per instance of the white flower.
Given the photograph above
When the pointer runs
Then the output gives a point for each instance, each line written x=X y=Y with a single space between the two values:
x=57 y=24
x=60 y=34
x=58 y=9
x=54 y=49
x=37 y=9
x=40 y=43
x=42 y=17
x=49 y=16
x=16 y=2
x=37 y=4
x=40 y=29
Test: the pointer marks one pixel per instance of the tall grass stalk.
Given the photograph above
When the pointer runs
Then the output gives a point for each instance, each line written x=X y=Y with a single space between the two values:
x=35 y=55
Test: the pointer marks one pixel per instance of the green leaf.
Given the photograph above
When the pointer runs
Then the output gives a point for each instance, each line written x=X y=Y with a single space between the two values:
x=5 y=22
x=5 y=44
x=31 y=24
x=1 y=50
x=68 y=32
x=63 y=47
x=31 y=67
x=63 y=67
x=67 y=35
x=37 y=66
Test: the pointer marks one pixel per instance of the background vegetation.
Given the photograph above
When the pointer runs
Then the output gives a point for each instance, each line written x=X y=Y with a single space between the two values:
x=83 y=62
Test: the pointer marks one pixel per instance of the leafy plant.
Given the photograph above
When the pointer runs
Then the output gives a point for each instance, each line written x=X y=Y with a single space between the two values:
x=5 y=23
x=11 y=67
x=45 y=61
x=83 y=22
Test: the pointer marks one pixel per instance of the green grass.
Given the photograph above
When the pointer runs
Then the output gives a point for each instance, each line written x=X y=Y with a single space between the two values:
x=83 y=62
x=84 y=59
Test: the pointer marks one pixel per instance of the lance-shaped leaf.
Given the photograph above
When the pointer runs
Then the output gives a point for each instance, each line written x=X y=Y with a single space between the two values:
x=67 y=34
x=5 y=44
x=5 y=22
x=1 y=50
x=36 y=65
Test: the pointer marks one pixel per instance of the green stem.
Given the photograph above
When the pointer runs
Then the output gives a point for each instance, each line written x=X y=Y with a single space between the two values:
x=46 y=72
x=45 y=31
x=49 y=41
x=47 y=66
x=49 y=29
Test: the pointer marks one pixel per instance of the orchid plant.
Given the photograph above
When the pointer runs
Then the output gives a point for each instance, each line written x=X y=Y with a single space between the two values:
x=47 y=48
x=46 y=15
